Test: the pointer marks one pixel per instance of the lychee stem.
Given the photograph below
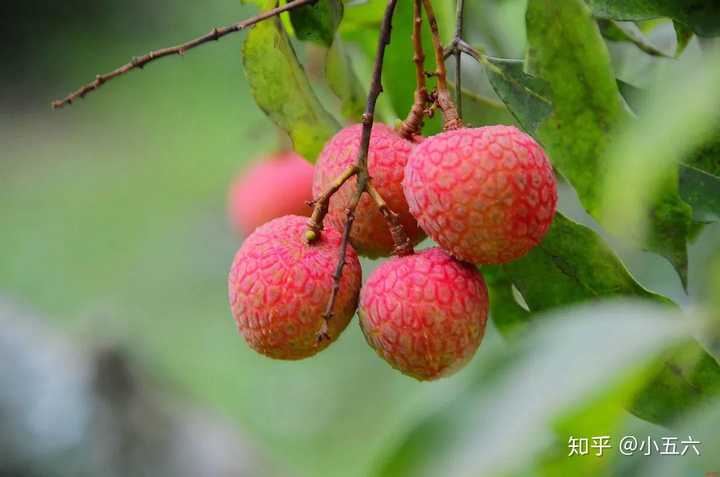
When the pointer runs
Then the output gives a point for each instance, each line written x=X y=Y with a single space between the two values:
x=451 y=117
x=412 y=126
x=403 y=245
x=363 y=178
x=321 y=204
x=139 y=62
x=459 y=34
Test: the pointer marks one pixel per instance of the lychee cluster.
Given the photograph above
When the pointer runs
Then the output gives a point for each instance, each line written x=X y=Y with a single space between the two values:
x=484 y=195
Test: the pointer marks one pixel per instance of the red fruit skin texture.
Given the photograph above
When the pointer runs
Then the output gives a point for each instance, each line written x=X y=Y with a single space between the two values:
x=279 y=185
x=425 y=314
x=279 y=287
x=486 y=195
x=387 y=157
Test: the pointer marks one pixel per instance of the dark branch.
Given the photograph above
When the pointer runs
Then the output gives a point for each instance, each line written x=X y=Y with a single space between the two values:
x=363 y=179
x=459 y=34
x=451 y=119
x=412 y=126
x=139 y=62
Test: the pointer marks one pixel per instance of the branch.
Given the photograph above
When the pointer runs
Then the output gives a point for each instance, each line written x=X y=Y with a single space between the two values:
x=363 y=178
x=412 y=126
x=214 y=35
x=451 y=119
x=322 y=204
x=459 y=33
x=403 y=245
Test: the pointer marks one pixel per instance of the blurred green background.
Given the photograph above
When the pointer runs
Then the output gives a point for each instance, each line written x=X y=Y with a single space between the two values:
x=113 y=223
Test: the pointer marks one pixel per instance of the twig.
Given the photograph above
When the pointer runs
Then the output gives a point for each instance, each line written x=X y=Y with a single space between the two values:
x=412 y=126
x=451 y=119
x=214 y=35
x=403 y=245
x=321 y=205
x=459 y=34
x=363 y=178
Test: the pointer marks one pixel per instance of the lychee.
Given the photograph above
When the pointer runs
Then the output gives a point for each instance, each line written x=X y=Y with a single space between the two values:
x=425 y=314
x=387 y=157
x=279 y=287
x=281 y=184
x=486 y=195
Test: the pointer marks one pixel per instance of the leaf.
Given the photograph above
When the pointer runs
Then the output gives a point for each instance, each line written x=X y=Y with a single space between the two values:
x=526 y=97
x=700 y=189
x=281 y=89
x=683 y=36
x=507 y=314
x=344 y=82
x=572 y=265
x=629 y=32
x=704 y=427
x=699 y=175
x=507 y=414
x=702 y=16
x=317 y=22
x=678 y=116
x=587 y=110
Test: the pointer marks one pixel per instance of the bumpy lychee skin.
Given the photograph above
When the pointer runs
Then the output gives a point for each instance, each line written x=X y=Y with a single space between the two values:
x=486 y=195
x=425 y=314
x=279 y=287
x=387 y=157
x=281 y=184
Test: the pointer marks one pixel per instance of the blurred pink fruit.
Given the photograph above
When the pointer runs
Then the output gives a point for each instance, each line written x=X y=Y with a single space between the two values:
x=279 y=185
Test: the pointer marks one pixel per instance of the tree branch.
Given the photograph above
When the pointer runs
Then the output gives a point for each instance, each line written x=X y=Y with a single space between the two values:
x=363 y=178
x=412 y=126
x=459 y=33
x=451 y=119
x=214 y=35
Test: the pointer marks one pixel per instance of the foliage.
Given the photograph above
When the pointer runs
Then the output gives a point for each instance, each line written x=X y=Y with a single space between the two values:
x=585 y=346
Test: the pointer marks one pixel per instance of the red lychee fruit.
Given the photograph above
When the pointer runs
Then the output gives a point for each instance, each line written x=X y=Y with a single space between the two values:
x=486 y=195
x=279 y=185
x=425 y=314
x=387 y=157
x=279 y=287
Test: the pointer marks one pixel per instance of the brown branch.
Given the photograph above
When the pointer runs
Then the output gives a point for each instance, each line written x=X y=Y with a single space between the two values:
x=403 y=245
x=363 y=178
x=321 y=205
x=451 y=119
x=459 y=34
x=214 y=35
x=412 y=126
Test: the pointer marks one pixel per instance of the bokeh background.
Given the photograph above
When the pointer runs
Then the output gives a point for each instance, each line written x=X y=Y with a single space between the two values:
x=114 y=246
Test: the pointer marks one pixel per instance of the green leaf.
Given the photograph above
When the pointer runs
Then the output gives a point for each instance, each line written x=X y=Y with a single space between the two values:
x=507 y=314
x=629 y=32
x=683 y=34
x=527 y=97
x=702 y=426
x=521 y=394
x=281 y=89
x=344 y=82
x=572 y=265
x=317 y=22
x=700 y=189
x=678 y=116
x=702 y=16
x=568 y=52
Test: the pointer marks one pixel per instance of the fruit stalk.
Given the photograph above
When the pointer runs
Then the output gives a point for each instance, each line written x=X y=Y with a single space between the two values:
x=139 y=62
x=451 y=118
x=412 y=126
x=459 y=33
x=363 y=178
